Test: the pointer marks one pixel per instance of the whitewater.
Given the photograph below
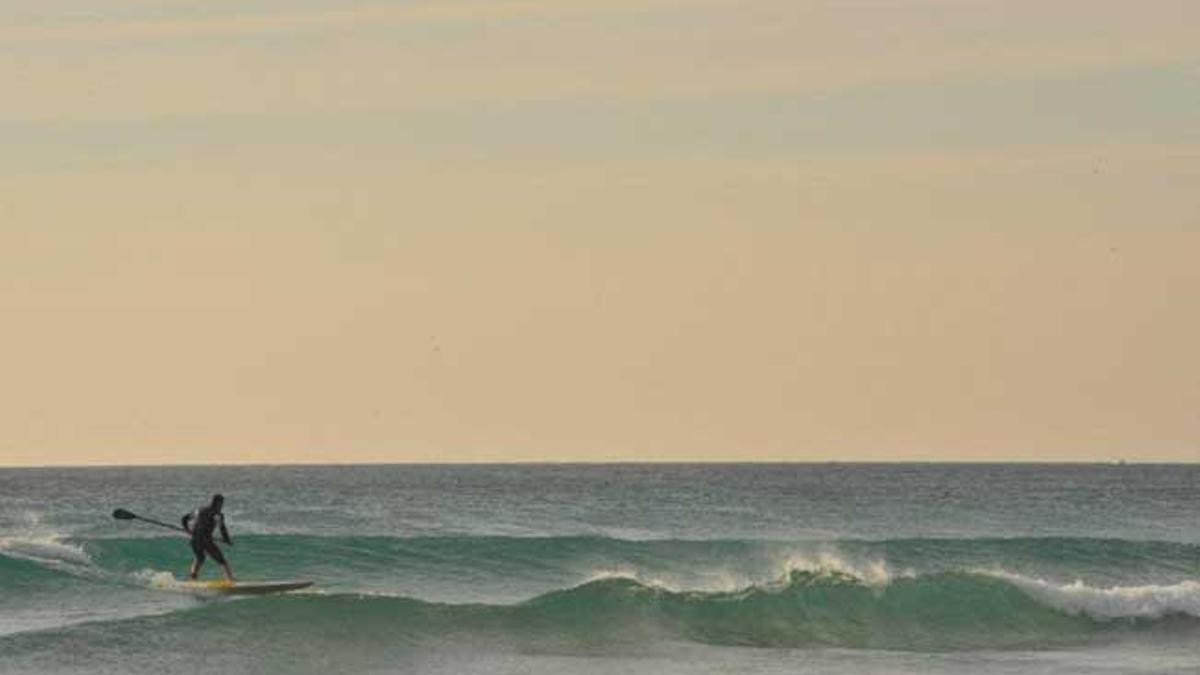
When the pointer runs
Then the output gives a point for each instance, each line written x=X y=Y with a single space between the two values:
x=750 y=568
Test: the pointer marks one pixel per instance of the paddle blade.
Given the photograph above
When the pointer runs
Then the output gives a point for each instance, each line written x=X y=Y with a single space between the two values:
x=122 y=514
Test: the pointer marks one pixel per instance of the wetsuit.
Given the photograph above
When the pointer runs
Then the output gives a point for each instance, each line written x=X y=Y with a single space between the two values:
x=204 y=521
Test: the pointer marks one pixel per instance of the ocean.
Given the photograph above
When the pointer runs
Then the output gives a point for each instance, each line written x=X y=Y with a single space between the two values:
x=623 y=568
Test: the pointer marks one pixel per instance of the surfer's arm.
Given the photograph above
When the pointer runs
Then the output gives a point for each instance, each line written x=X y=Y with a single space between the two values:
x=225 y=532
x=185 y=520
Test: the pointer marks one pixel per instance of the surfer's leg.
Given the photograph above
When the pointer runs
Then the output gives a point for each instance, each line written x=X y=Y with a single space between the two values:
x=198 y=561
x=216 y=554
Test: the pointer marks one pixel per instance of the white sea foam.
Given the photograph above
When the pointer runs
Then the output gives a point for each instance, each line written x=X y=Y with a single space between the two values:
x=1148 y=601
x=156 y=579
x=36 y=541
x=50 y=550
x=831 y=562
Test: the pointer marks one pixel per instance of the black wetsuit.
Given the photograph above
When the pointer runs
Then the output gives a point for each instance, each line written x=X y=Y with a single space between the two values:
x=204 y=521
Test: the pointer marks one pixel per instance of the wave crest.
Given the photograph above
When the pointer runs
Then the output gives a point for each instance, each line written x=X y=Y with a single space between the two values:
x=1117 y=602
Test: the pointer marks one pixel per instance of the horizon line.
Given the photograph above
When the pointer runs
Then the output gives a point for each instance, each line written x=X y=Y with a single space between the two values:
x=634 y=462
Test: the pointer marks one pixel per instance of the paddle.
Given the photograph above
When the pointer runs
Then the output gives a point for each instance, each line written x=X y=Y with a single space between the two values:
x=122 y=514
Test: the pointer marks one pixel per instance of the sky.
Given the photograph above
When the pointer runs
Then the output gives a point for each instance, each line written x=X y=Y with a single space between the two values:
x=599 y=230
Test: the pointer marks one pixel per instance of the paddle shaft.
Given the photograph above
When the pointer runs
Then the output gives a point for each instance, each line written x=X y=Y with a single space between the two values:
x=161 y=524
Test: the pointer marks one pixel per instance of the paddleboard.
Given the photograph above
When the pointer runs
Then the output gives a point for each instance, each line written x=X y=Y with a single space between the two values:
x=223 y=587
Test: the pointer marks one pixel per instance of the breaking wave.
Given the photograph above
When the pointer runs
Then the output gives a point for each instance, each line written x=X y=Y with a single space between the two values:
x=918 y=595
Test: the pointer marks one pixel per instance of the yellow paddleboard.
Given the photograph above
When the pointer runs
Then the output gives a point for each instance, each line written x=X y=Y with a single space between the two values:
x=223 y=587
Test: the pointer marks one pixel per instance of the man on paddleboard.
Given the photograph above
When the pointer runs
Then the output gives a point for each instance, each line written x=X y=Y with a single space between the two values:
x=200 y=524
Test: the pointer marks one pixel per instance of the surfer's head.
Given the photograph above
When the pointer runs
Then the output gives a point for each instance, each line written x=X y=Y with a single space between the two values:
x=217 y=501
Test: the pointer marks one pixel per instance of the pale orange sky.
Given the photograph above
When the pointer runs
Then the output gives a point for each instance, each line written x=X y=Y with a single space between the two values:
x=623 y=230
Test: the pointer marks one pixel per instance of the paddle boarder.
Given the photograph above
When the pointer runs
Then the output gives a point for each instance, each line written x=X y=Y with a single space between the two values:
x=201 y=524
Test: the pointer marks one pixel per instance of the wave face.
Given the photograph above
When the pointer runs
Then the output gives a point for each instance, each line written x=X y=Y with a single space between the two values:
x=915 y=595
x=1104 y=558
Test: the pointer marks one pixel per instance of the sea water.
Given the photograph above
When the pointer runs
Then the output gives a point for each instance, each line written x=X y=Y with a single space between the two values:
x=746 y=568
